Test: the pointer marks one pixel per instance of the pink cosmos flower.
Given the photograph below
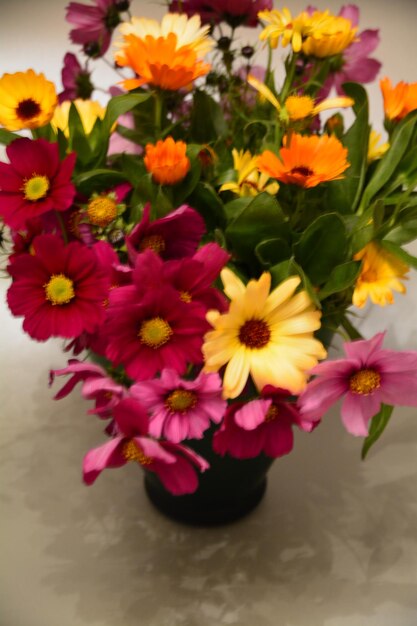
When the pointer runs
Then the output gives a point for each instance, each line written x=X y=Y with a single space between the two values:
x=97 y=385
x=148 y=331
x=75 y=80
x=263 y=425
x=34 y=182
x=175 y=465
x=174 y=236
x=192 y=277
x=181 y=409
x=59 y=290
x=234 y=12
x=367 y=378
x=355 y=63
x=94 y=24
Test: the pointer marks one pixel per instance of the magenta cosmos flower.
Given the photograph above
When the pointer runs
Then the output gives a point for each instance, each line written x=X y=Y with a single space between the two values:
x=234 y=12
x=354 y=64
x=75 y=80
x=175 y=465
x=148 y=331
x=34 y=182
x=181 y=409
x=174 y=236
x=192 y=277
x=94 y=24
x=367 y=378
x=262 y=425
x=59 y=290
x=96 y=385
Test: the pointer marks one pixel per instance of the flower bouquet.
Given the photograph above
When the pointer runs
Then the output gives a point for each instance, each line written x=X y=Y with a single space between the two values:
x=200 y=239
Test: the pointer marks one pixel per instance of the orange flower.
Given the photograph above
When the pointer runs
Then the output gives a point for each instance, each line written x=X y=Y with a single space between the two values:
x=165 y=55
x=306 y=161
x=398 y=100
x=167 y=161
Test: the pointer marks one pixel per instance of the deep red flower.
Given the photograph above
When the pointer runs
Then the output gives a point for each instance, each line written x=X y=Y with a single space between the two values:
x=59 y=290
x=34 y=182
x=234 y=12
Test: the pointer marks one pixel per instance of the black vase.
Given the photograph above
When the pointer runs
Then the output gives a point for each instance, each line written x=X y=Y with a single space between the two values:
x=228 y=490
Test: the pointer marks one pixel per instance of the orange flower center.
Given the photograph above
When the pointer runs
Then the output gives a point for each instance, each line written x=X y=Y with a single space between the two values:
x=27 y=109
x=254 y=334
x=272 y=413
x=36 y=188
x=132 y=452
x=365 y=382
x=153 y=242
x=102 y=211
x=180 y=400
x=59 y=289
x=155 y=332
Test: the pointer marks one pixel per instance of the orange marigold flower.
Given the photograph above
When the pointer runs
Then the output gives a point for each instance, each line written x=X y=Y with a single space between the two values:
x=27 y=100
x=306 y=161
x=165 y=55
x=167 y=161
x=398 y=100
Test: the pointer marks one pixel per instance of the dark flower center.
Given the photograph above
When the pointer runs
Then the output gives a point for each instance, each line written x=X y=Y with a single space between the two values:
x=84 y=85
x=112 y=18
x=302 y=170
x=254 y=334
x=27 y=109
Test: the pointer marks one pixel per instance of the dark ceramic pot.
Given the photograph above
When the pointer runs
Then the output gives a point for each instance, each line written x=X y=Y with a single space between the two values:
x=228 y=490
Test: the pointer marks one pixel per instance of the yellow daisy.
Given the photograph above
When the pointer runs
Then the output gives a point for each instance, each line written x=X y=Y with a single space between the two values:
x=266 y=335
x=27 y=100
x=89 y=111
x=250 y=181
x=376 y=150
x=282 y=25
x=329 y=35
x=380 y=274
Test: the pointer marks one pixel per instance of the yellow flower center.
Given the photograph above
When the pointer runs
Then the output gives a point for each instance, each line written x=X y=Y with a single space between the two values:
x=365 y=382
x=36 y=187
x=28 y=108
x=132 y=452
x=59 y=289
x=299 y=107
x=155 y=332
x=272 y=413
x=153 y=242
x=185 y=296
x=254 y=334
x=181 y=400
x=102 y=211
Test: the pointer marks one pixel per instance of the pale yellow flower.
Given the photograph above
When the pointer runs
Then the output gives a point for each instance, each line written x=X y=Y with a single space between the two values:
x=328 y=35
x=89 y=111
x=380 y=274
x=376 y=150
x=268 y=336
x=250 y=181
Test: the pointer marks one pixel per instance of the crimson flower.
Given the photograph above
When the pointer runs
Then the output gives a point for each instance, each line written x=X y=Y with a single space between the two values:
x=262 y=425
x=34 y=182
x=59 y=290
x=175 y=465
x=234 y=12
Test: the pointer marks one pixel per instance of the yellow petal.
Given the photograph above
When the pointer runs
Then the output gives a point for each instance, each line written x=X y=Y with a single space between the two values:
x=264 y=91
x=236 y=374
x=281 y=293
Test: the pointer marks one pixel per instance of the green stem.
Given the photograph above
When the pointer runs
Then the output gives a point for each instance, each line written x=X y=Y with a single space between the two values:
x=350 y=329
x=62 y=226
x=158 y=113
x=288 y=79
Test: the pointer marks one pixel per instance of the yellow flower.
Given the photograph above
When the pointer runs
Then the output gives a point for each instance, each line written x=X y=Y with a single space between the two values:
x=167 y=55
x=328 y=35
x=266 y=335
x=89 y=111
x=297 y=108
x=250 y=181
x=281 y=24
x=27 y=100
x=380 y=274
x=376 y=151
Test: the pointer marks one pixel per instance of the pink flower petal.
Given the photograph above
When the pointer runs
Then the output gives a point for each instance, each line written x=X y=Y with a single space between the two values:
x=357 y=410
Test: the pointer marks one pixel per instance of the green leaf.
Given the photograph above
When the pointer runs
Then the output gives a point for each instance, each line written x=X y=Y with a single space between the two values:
x=401 y=254
x=261 y=219
x=183 y=189
x=119 y=105
x=6 y=136
x=406 y=230
x=378 y=425
x=341 y=277
x=322 y=246
x=206 y=201
x=106 y=177
x=281 y=271
x=387 y=165
x=343 y=195
x=272 y=251
x=207 y=119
